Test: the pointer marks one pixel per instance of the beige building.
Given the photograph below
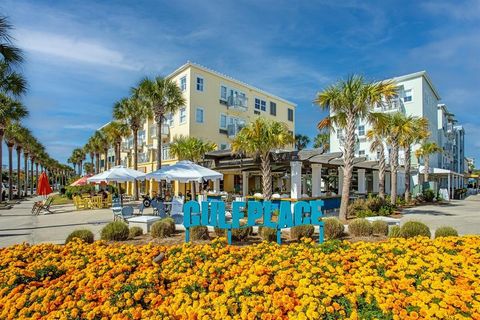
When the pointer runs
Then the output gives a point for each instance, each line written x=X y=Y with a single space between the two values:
x=217 y=107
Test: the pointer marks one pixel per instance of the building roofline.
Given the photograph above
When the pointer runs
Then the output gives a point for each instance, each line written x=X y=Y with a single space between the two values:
x=414 y=75
x=203 y=68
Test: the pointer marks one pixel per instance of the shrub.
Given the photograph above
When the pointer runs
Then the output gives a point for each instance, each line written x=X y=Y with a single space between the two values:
x=380 y=227
x=115 y=231
x=414 y=228
x=357 y=206
x=83 y=234
x=333 y=228
x=199 y=233
x=268 y=234
x=135 y=232
x=161 y=229
x=395 y=232
x=171 y=223
x=239 y=234
x=360 y=228
x=304 y=231
x=428 y=195
x=446 y=232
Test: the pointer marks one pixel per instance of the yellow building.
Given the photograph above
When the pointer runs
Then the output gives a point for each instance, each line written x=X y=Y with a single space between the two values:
x=217 y=107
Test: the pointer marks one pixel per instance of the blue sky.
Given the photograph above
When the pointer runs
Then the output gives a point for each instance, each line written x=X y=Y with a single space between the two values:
x=82 y=56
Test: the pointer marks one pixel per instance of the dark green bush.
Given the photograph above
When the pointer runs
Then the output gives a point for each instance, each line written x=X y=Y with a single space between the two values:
x=380 y=227
x=161 y=229
x=199 y=233
x=238 y=234
x=268 y=234
x=134 y=232
x=356 y=207
x=333 y=228
x=395 y=232
x=171 y=223
x=115 y=231
x=428 y=195
x=83 y=234
x=413 y=229
x=304 y=231
x=446 y=232
x=360 y=228
x=70 y=191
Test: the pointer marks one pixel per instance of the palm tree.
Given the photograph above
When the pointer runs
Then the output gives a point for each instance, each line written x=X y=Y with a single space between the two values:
x=104 y=145
x=134 y=113
x=322 y=140
x=115 y=132
x=162 y=96
x=425 y=151
x=27 y=146
x=88 y=168
x=12 y=135
x=419 y=133
x=301 y=141
x=20 y=142
x=97 y=141
x=259 y=138
x=349 y=101
x=190 y=148
x=10 y=54
x=89 y=149
x=377 y=136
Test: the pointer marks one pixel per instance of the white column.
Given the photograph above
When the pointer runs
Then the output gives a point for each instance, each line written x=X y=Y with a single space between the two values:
x=245 y=183
x=375 y=181
x=150 y=187
x=388 y=188
x=316 y=179
x=304 y=184
x=296 y=179
x=361 y=180
x=449 y=187
x=216 y=185
x=340 y=180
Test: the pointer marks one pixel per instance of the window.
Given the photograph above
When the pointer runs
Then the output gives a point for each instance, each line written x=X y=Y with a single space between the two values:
x=183 y=115
x=273 y=108
x=260 y=104
x=183 y=83
x=199 y=115
x=361 y=130
x=408 y=96
x=290 y=114
x=165 y=152
x=361 y=152
x=223 y=93
x=223 y=146
x=199 y=84
x=339 y=134
x=223 y=121
x=168 y=119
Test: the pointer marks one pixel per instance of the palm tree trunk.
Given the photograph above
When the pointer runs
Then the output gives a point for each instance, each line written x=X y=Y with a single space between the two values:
x=19 y=187
x=32 y=160
x=36 y=175
x=117 y=153
x=80 y=165
x=97 y=164
x=10 y=171
x=427 y=167
x=408 y=165
x=105 y=164
x=75 y=168
x=135 y=161
x=381 y=173
x=92 y=156
x=349 y=157
x=266 y=176
x=1 y=163
x=25 y=169
x=158 y=120
x=394 y=169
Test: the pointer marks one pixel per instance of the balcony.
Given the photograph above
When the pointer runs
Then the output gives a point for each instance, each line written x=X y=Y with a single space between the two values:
x=234 y=128
x=395 y=105
x=237 y=102
x=142 y=157
x=165 y=130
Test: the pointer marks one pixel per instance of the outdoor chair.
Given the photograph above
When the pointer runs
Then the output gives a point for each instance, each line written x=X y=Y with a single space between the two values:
x=97 y=202
x=178 y=218
x=116 y=208
x=40 y=205
x=158 y=208
x=125 y=213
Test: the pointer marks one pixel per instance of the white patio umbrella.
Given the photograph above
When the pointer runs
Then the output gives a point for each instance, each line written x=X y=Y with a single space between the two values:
x=184 y=171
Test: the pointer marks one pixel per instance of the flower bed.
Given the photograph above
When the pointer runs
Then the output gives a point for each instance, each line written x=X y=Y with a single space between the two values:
x=396 y=279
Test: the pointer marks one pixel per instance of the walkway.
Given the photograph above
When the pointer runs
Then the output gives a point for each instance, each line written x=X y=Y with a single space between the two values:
x=463 y=215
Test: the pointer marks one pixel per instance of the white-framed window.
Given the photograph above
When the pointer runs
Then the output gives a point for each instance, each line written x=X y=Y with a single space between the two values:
x=361 y=152
x=223 y=146
x=183 y=83
x=260 y=104
x=199 y=115
x=290 y=114
x=273 y=108
x=168 y=119
x=223 y=93
x=408 y=96
x=223 y=121
x=183 y=115
x=200 y=83
x=361 y=130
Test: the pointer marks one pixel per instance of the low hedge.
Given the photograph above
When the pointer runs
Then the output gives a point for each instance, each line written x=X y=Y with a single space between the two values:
x=413 y=229
x=446 y=232
x=360 y=228
x=82 y=234
x=333 y=228
x=115 y=231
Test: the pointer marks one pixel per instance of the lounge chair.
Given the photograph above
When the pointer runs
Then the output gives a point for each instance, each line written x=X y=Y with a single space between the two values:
x=40 y=205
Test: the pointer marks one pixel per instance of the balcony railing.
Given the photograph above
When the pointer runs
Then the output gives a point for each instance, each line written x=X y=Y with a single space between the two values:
x=237 y=102
x=142 y=157
x=394 y=105
x=234 y=128
x=153 y=130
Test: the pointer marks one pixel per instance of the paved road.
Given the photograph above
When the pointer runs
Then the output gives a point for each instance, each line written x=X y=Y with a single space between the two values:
x=463 y=215
x=17 y=225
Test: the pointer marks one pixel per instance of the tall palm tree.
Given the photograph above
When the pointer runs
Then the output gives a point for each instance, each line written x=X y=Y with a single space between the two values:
x=348 y=101
x=97 y=141
x=377 y=136
x=162 y=96
x=27 y=147
x=10 y=54
x=399 y=125
x=134 y=113
x=322 y=140
x=259 y=138
x=426 y=149
x=115 y=132
x=20 y=142
x=12 y=134
x=419 y=133
x=89 y=149
x=103 y=144
x=301 y=141
x=190 y=148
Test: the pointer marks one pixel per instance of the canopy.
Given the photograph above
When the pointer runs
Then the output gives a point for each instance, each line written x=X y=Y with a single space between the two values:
x=116 y=174
x=81 y=182
x=43 y=186
x=184 y=171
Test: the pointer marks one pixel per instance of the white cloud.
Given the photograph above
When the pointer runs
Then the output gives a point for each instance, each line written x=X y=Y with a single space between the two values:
x=73 y=48
x=88 y=126
x=469 y=9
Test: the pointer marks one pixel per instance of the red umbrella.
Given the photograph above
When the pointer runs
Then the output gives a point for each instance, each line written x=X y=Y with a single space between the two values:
x=81 y=182
x=43 y=186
